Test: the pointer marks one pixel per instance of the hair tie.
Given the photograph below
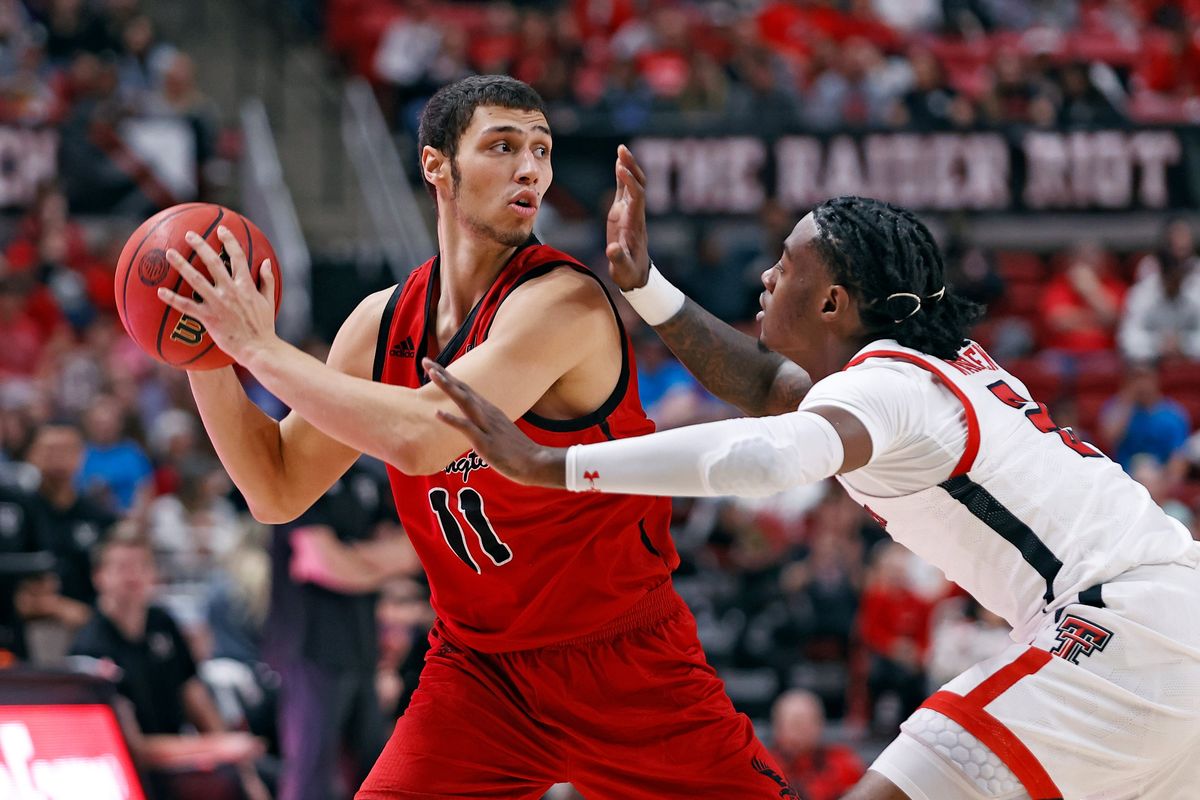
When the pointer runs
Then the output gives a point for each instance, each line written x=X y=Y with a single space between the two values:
x=918 y=301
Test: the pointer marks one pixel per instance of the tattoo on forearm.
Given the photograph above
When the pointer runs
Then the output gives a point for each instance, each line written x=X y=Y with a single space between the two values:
x=733 y=366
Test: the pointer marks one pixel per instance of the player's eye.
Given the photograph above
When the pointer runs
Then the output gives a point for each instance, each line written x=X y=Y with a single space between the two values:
x=503 y=147
x=542 y=151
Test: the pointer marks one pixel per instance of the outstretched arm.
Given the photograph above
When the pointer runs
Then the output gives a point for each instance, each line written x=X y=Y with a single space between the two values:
x=746 y=457
x=730 y=364
x=349 y=412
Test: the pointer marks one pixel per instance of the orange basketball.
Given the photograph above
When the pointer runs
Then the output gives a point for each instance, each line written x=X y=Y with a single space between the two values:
x=166 y=334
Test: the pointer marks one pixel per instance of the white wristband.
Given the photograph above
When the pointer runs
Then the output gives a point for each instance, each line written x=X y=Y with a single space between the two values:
x=658 y=300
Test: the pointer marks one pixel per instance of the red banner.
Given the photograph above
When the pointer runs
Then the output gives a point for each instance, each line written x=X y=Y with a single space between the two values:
x=64 y=752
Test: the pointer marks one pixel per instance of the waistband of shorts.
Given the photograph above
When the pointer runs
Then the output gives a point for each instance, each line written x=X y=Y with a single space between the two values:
x=656 y=605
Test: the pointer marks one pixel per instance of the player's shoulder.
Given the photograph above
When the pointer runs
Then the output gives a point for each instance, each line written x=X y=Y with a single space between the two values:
x=546 y=271
x=368 y=314
x=354 y=346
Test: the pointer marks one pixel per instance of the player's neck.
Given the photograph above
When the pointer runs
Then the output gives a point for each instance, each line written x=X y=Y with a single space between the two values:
x=468 y=265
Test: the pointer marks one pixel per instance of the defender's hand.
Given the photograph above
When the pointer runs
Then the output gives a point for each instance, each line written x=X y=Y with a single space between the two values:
x=239 y=316
x=496 y=438
x=628 y=257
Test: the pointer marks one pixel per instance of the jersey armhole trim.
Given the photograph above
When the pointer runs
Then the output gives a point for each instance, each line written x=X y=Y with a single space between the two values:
x=971 y=450
x=385 y=333
x=614 y=399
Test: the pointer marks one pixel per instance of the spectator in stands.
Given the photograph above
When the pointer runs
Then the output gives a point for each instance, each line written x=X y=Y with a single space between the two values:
x=1016 y=93
x=72 y=27
x=1082 y=103
x=180 y=96
x=321 y=630
x=853 y=92
x=156 y=671
x=24 y=567
x=894 y=623
x=1162 y=311
x=931 y=102
x=143 y=59
x=72 y=523
x=760 y=91
x=818 y=770
x=964 y=633
x=668 y=391
x=192 y=531
x=1140 y=420
x=23 y=337
x=1082 y=304
x=115 y=467
x=405 y=618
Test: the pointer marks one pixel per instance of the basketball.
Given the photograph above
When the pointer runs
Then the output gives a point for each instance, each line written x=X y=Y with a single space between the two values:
x=166 y=334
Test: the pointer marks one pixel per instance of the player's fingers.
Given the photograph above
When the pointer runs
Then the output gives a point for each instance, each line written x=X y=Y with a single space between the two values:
x=472 y=431
x=635 y=193
x=632 y=164
x=622 y=193
x=237 y=256
x=216 y=267
x=616 y=254
x=266 y=277
x=181 y=303
x=456 y=389
x=190 y=274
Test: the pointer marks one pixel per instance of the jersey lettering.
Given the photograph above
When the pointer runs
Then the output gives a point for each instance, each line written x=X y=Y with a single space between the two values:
x=1039 y=415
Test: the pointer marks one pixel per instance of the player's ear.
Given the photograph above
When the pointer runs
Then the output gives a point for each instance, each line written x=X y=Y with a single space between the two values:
x=435 y=165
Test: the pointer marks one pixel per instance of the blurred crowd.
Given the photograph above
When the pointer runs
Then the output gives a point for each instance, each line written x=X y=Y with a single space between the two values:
x=819 y=65
x=85 y=68
x=125 y=550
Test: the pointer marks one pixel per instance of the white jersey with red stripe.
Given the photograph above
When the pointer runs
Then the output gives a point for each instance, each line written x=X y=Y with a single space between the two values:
x=1031 y=516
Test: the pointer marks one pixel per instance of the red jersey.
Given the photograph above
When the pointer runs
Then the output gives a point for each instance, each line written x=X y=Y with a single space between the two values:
x=513 y=567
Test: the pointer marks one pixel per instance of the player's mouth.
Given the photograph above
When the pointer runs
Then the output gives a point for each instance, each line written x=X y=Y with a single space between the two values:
x=524 y=204
x=762 y=303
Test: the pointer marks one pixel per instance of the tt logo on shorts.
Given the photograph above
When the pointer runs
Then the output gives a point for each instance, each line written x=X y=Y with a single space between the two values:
x=1078 y=637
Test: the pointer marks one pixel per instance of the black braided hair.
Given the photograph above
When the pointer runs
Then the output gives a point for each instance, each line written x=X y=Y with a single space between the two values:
x=448 y=113
x=876 y=249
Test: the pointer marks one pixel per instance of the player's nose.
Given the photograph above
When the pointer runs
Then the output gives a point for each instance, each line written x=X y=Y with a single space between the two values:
x=527 y=168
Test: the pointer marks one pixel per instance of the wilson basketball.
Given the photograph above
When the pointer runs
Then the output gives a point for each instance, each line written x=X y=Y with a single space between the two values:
x=166 y=334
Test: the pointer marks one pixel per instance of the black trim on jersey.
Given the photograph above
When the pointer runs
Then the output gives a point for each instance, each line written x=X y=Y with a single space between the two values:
x=646 y=539
x=606 y=408
x=991 y=512
x=450 y=350
x=385 y=333
x=1092 y=597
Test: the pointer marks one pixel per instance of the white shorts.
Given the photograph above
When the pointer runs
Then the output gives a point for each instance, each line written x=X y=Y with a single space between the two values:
x=1104 y=704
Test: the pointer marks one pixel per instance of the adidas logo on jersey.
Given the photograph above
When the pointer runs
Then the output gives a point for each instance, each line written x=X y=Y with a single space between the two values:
x=406 y=348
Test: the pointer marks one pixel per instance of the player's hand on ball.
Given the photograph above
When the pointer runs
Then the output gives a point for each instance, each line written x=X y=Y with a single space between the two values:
x=239 y=316
x=628 y=256
x=496 y=438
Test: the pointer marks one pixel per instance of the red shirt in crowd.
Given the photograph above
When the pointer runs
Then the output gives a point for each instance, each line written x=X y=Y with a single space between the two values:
x=888 y=615
x=826 y=773
x=1096 y=336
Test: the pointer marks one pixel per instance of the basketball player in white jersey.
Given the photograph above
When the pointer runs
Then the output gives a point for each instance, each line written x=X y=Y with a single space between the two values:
x=862 y=371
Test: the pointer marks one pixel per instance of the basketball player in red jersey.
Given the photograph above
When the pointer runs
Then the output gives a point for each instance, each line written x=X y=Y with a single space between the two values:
x=561 y=652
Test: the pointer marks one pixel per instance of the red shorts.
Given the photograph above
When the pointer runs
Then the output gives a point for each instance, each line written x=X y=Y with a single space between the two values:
x=631 y=713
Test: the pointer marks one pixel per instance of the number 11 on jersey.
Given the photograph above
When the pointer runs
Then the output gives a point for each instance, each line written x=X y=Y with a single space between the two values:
x=470 y=504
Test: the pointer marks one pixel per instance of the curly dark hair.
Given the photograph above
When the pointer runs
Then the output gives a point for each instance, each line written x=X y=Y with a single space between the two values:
x=889 y=260
x=448 y=113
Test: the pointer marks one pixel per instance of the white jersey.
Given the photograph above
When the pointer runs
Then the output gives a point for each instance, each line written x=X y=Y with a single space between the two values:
x=1030 y=517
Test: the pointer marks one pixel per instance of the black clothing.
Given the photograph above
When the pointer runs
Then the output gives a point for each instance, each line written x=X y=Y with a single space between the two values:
x=154 y=669
x=70 y=534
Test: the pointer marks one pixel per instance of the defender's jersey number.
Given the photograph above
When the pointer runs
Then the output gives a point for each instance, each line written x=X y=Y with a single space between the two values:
x=470 y=505
x=1039 y=415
